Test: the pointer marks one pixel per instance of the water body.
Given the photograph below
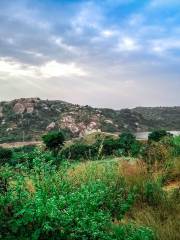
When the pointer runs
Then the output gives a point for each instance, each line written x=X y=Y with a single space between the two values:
x=144 y=135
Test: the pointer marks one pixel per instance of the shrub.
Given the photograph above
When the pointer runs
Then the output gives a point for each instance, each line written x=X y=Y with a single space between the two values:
x=25 y=149
x=153 y=193
x=54 y=141
x=156 y=152
x=29 y=159
x=129 y=144
x=54 y=213
x=79 y=151
x=119 y=199
x=157 y=135
x=109 y=146
x=132 y=232
x=5 y=155
x=176 y=145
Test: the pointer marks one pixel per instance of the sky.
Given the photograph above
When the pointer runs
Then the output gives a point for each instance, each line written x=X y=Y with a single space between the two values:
x=103 y=53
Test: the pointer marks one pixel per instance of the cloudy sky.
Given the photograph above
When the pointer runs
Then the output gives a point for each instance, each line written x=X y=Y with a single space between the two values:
x=107 y=53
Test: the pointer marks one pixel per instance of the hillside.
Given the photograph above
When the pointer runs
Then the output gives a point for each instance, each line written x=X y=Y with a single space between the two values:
x=27 y=119
x=164 y=117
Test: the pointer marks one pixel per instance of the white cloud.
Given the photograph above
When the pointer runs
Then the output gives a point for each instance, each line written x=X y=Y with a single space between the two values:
x=15 y=69
x=128 y=44
x=55 y=69
x=109 y=33
x=164 y=45
x=60 y=43
x=50 y=69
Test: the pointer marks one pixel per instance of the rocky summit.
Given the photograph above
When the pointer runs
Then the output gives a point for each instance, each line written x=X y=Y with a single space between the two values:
x=27 y=119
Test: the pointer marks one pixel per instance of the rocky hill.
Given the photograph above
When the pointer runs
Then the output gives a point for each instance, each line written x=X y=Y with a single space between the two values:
x=28 y=118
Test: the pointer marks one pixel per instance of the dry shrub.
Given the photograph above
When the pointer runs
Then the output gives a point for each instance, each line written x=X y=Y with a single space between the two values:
x=135 y=173
x=30 y=186
x=157 y=153
x=175 y=170
x=91 y=171
x=164 y=220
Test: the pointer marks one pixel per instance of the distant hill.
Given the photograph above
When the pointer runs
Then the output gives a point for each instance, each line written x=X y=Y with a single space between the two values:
x=160 y=117
x=26 y=119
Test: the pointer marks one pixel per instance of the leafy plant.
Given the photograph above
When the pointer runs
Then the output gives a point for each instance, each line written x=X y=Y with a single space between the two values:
x=54 y=141
x=129 y=144
x=157 y=135
x=5 y=155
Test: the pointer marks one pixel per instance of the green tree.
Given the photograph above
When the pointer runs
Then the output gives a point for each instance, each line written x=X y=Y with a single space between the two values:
x=157 y=135
x=127 y=141
x=5 y=155
x=54 y=141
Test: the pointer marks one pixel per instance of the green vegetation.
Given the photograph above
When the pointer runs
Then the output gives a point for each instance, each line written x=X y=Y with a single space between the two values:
x=113 y=197
x=124 y=145
x=5 y=155
x=157 y=135
x=54 y=141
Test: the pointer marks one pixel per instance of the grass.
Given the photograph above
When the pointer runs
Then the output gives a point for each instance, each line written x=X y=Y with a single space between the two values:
x=163 y=218
x=113 y=198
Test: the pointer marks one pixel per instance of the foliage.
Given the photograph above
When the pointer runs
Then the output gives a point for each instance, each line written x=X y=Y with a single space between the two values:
x=176 y=144
x=51 y=214
x=129 y=144
x=125 y=145
x=109 y=146
x=79 y=151
x=131 y=232
x=162 y=218
x=153 y=193
x=5 y=155
x=24 y=149
x=157 y=135
x=54 y=140
x=156 y=152
x=44 y=197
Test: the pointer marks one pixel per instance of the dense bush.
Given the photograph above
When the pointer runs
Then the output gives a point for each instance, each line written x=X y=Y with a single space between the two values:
x=41 y=204
x=54 y=141
x=24 y=149
x=28 y=159
x=129 y=144
x=52 y=214
x=131 y=232
x=157 y=135
x=79 y=151
x=109 y=146
x=156 y=152
x=5 y=155
x=89 y=200
x=153 y=193
x=125 y=145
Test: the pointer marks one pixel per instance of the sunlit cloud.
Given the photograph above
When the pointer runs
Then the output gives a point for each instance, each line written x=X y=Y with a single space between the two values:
x=111 y=53
x=47 y=70
x=55 y=69
x=128 y=44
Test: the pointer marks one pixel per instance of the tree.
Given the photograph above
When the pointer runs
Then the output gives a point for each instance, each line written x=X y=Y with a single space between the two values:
x=5 y=155
x=157 y=135
x=54 y=141
x=127 y=142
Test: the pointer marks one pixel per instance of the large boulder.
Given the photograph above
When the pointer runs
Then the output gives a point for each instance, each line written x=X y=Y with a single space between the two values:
x=51 y=126
x=19 y=108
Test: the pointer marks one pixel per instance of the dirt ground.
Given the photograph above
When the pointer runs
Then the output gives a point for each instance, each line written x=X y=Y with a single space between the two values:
x=19 y=144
